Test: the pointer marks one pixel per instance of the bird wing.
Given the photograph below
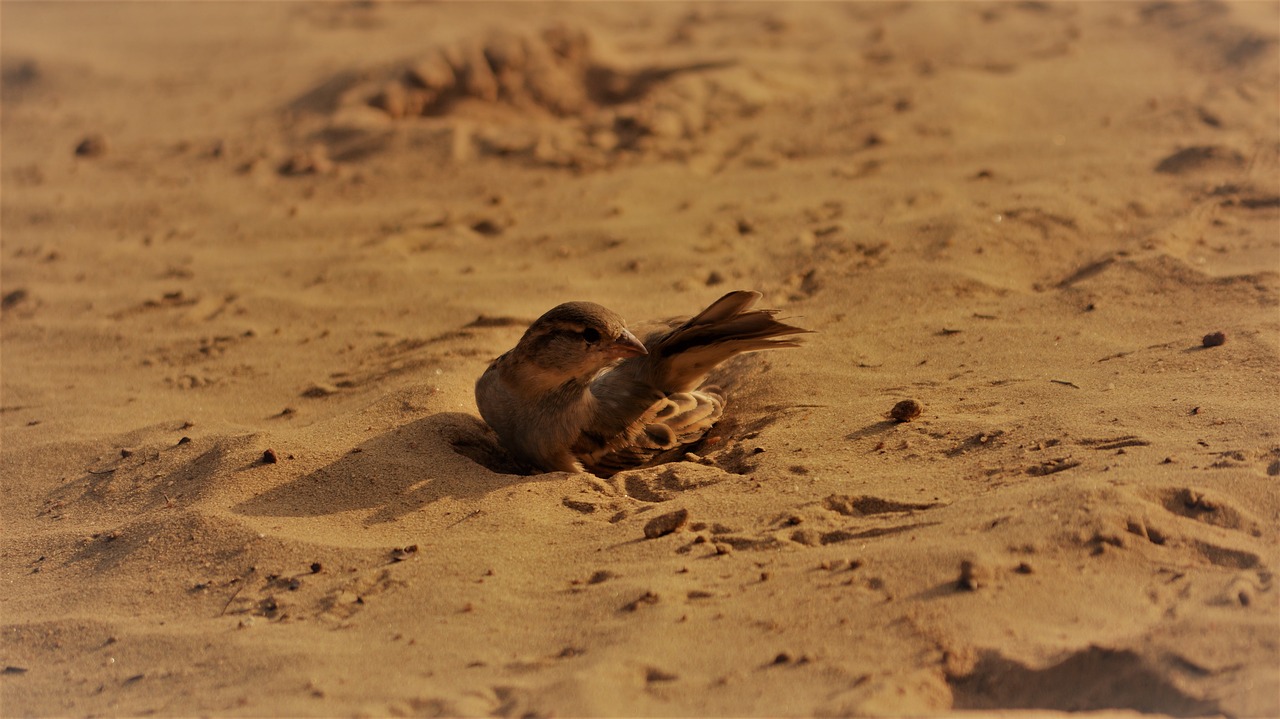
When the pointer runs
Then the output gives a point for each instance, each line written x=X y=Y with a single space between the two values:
x=670 y=423
x=652 y=404
x=680 y=358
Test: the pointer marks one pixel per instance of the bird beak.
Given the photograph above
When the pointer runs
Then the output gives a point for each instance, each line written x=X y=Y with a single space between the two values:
x=627 y=346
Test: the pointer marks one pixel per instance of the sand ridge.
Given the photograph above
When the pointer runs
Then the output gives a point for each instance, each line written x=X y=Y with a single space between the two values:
x=255 y=255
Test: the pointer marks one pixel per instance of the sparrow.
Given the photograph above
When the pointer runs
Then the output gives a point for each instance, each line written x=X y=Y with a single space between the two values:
x=581 y=392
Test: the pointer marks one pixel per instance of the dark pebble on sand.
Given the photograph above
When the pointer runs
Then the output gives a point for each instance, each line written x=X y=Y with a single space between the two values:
x=906 y=410
x=92 y=146
x=1214 y=339
x=14 y=298
x=974 y=574
x=666 y=524
x=401 y=554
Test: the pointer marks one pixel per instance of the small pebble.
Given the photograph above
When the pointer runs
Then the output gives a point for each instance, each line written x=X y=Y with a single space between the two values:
x=657 y=675
x=487 y=227
x=601 y=575
x=906 y=410
x=1214 y=339
x=974 y=575
x=13 y=298
x=269 y=457
x=666 y=524
x=92 y=146
x=401 y=554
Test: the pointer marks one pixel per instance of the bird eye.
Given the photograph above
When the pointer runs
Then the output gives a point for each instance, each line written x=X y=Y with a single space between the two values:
x=591 y=335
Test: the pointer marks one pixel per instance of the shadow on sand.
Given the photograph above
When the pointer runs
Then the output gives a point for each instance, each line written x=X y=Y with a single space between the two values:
x=400 y=471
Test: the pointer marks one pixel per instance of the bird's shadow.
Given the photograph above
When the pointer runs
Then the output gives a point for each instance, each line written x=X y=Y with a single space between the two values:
x=399 y=472
x=455 y=455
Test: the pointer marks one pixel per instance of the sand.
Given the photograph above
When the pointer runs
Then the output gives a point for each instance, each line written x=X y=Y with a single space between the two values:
x=255 y=256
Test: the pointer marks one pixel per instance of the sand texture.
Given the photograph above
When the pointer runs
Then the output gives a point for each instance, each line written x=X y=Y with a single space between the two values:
x=255 y=256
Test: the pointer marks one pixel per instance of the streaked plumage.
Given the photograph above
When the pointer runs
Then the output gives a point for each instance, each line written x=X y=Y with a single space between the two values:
x=579 y=391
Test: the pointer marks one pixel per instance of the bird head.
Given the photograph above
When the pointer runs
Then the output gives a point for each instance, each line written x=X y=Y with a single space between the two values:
x=576 y=340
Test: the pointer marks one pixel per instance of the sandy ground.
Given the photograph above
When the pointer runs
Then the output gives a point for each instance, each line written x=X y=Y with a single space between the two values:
x=234 y=229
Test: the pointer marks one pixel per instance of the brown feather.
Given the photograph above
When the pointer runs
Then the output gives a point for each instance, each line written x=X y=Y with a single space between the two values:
x=679 y=359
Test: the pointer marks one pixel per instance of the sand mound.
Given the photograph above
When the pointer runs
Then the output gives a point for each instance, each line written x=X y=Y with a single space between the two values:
x=549 y=98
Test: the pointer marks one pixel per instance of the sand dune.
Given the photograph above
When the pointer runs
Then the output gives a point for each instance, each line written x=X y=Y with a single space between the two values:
x=256 y=255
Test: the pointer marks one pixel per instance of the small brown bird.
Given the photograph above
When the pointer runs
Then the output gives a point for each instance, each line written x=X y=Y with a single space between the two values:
x=579 y=391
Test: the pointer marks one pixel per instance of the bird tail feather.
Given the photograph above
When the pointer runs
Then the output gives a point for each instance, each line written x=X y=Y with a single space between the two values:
x=681 y=358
